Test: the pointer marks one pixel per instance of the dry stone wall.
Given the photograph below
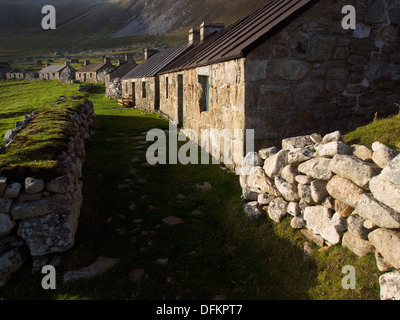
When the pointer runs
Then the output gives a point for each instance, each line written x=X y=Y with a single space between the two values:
x=335 y=193
x=39 y=217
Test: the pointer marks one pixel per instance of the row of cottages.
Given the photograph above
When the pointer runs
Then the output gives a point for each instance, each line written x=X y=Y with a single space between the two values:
x=94 y=72
x=288 y=69
x=15 y=74
x=62 y=72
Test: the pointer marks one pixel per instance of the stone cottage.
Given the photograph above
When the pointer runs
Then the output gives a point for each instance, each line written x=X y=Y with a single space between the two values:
x=140 y=87
x=94 y=72
x=57 y=72
x=123 y=67
x=15 y=74
x=289 y=69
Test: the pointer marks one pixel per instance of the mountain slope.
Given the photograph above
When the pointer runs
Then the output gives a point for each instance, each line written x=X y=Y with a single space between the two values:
x=119 y=18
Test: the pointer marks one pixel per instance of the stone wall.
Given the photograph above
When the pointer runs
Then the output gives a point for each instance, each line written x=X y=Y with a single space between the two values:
x=314 y=76
x=226 y=103
x=114 y=89
x=39 y=217
x=335 y=193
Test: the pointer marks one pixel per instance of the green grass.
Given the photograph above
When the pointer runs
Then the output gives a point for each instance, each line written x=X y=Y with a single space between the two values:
x=386 y=131
x=218 y=252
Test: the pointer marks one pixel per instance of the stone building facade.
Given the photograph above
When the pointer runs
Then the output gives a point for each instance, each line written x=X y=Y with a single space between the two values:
x=61 y=72
x=94 y=72
x=289 y=69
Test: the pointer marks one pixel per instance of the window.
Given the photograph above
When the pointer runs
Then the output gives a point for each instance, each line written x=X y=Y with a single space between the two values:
x=166 y=88
x=205 y=93
x=143 y=89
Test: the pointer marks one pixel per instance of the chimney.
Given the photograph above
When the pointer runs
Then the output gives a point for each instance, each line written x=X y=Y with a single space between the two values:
x=121 y=62
x=194 y=37
x=106 y=60
x=87 y=62
x=148 y=52
x=129 y=57
x=207 y=28
x=67 y=63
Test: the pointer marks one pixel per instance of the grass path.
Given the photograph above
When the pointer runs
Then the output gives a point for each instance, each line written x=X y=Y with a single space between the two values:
x=214 y=251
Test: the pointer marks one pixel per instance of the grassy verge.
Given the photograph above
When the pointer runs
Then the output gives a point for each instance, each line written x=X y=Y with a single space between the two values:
x=216 y=251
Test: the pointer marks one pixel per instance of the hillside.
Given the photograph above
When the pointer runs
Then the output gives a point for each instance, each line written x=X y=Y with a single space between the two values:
x=81 y=21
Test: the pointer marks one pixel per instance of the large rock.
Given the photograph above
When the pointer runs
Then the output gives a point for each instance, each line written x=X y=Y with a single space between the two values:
x=5 y=205
x=12 y=191
x=298 y=142
x=6 y=224
x=390 y=286
x=318 y=219
x=253 y=210
x=392 y=171
x=277 y=209
x=299 y=155
x=387 y=242
x=382 y=154
x=318 y=168
x=381 y=215
x=355 y=224
x=333 y=136
x=344 y=190
x=33 y=185
x=288 y=190
x=257 y=179
x=289 y=174
x=275 y=163
x=362 y=152
x=305 y=193
x=10 y=261
x=357 y=245
x=333 y=148
x=354 y=169
x=61 y=184
x=46 y=205
x=318 y=190
x=48 y=234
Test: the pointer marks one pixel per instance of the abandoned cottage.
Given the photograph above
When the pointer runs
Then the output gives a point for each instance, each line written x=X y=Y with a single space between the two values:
x=288 y=69
x=57 y=72
x=94 y=72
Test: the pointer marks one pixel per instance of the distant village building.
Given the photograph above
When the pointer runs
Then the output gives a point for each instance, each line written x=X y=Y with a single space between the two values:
x=62 y=72
x=288 y=69
x=94 y=72
x=14 y=74
x=140 y=87
x=123 y=67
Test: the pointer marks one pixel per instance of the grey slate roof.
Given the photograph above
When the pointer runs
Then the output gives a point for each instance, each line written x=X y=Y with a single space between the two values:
x=158 y=61
x=241 y=37
x=53 y=68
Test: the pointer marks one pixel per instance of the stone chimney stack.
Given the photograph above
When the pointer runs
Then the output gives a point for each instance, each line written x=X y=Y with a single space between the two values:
x=194 y=37
x=129 y=57
x=106 y=60
x=207 y=28
x=87 y=62
x=148 y=52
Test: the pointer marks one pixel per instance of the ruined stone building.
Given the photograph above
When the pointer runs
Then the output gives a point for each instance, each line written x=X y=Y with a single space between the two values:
x=94 y=72
x=15 y=74
x=61 y=72
x=140 y=87
x=288 y=69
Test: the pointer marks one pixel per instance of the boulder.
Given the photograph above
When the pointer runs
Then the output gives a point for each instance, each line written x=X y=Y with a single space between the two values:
x=303 y=179
x=275 y=163
x=305 y=193
x=333 y=148
x=344 y=190
x=249 y=195
x=387 y=242
x=355 y=224
x=297 y=222
x=317 y=168
x=6 y=224
x=289 y=174
x=293 y=209
x=253 y=210
x=267 y=152
x=318 y=219
x=44 y=206
x=5 y=205
x=48 y=234
x=357 y=245
x=253 y=159
x=353 y=169
x=390 y=286
x=60 y=185
x=318 y=190
x=382 y=154
x=10 y=261
x=257 y=179
x=33 y=185
x=299 y=155
x=381 y=215
x=333 y=136
x=12 y=191
x=277 y=209
x=362 y=152
x=297 y=142
x=288 y=190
